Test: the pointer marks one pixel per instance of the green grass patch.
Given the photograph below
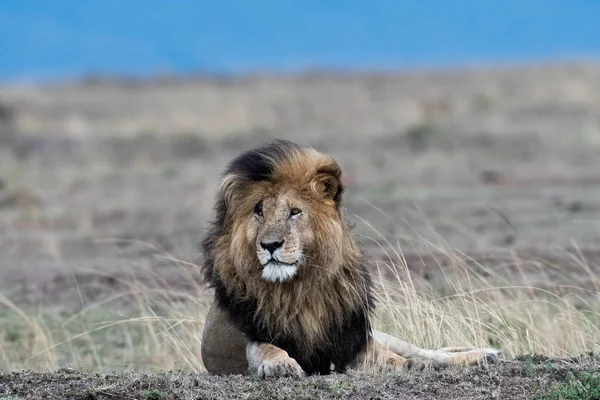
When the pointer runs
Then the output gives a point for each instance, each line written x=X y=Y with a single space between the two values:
x=583 y=386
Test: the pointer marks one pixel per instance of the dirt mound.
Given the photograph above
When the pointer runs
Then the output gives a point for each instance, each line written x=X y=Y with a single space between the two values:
x=520 y=379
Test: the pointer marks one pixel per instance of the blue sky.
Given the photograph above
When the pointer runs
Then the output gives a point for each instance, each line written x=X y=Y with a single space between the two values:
x=63 y=38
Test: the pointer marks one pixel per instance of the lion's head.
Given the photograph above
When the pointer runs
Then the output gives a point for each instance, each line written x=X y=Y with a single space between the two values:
x=279 y=214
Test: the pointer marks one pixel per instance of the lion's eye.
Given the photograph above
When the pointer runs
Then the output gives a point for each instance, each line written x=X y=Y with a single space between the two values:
x=258 y=209
x=295 y=211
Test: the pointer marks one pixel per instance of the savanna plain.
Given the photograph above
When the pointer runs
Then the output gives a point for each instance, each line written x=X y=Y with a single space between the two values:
x=475 y=192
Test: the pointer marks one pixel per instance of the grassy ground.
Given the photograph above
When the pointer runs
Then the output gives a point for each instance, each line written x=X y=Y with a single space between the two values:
x=475 y=194
x=531 y=377
x=149 y=327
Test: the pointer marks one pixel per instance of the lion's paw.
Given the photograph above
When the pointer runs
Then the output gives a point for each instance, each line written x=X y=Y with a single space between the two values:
x=280 y=368
x=395 y=362
x=415 y=364
x=476 y=356
x=492 y=355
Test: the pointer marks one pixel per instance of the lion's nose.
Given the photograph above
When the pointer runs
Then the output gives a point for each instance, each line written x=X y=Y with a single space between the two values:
x=271 y=246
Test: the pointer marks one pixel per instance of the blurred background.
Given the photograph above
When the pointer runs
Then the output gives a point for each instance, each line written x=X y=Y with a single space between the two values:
x=465 y=125
x=72 y=39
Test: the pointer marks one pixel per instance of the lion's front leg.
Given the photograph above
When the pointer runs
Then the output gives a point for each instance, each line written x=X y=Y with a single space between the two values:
x=267 y=360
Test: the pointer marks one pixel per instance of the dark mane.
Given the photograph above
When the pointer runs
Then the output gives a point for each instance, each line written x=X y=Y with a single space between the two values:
x=258 y=164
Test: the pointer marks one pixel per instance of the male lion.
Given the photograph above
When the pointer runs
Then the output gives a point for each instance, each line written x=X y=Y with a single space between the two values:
x=292 y=292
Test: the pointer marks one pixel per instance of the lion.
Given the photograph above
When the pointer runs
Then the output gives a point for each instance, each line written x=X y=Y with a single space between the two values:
x=292 y=293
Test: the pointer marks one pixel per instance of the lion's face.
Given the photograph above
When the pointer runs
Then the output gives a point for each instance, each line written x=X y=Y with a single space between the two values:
x=281 y=230
x=279 y=219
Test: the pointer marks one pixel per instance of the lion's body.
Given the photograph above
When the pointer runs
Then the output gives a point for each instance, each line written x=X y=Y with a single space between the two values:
x=292 y=292
x=223 y=344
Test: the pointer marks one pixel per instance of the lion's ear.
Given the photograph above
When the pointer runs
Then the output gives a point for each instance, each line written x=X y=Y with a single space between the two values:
x=328 y=182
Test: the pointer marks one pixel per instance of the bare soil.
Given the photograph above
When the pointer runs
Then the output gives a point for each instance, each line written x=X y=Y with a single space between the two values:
x=519 y=379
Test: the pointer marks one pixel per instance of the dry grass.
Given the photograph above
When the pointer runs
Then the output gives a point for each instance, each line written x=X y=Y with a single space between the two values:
x=144 y=326
x=155 y=326
x=522 y=306
x=485 y=309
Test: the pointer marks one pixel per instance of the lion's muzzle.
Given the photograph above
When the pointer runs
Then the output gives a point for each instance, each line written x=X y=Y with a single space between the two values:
x=276 y=271
x=272 y=257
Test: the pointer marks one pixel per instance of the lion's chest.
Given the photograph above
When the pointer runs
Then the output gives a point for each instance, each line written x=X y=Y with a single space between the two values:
x=316 y=330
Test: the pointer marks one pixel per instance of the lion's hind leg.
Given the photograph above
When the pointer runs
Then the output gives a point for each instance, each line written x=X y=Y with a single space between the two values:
x=267 y=360
x=439 y=357
x=378 y=356
x=470 y=355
